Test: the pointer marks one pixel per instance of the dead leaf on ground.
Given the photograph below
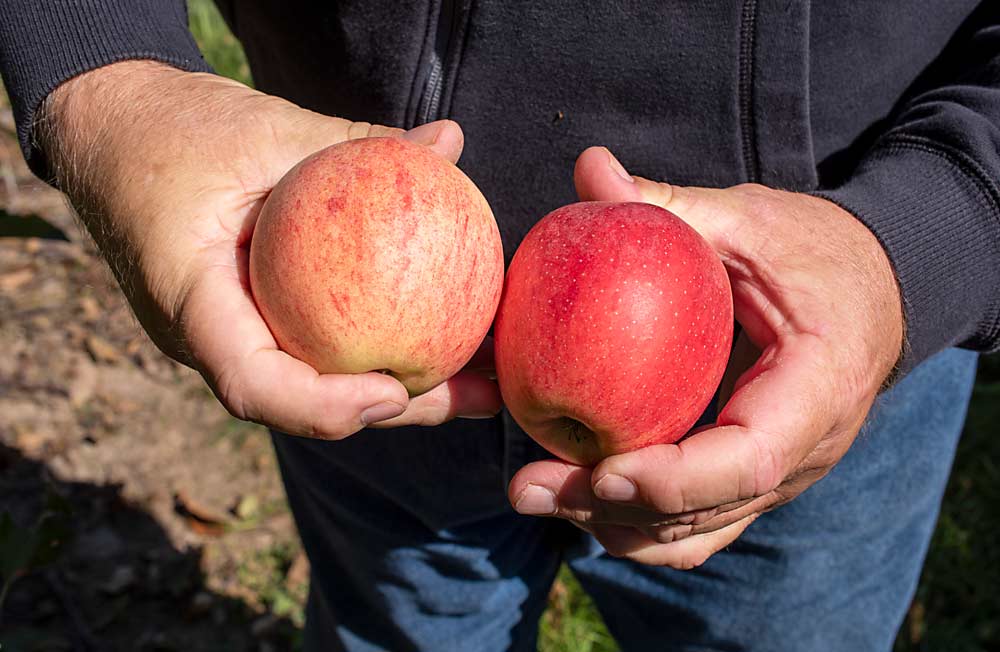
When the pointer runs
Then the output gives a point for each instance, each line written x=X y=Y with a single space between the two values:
x=83 y=382
x=298 y=572
x=201 y=518
x=134 y=346
x=102 y=350
x=11 y=281
x=90 y=308
x=30 y=441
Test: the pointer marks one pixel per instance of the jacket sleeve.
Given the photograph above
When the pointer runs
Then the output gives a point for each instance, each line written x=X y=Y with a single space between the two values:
x=929 y=189
x=42 y=44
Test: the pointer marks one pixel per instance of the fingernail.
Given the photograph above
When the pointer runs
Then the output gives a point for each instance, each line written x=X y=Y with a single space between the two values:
x=381 y=412
x=616 y=488
x=536 y=501
x=424 y=134
x=617 y=167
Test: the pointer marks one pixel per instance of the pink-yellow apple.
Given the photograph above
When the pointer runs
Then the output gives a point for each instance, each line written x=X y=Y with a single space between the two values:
x=613 y=331
x=378 y=255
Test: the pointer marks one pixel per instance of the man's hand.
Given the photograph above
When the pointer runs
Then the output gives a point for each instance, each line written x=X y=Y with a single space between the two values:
x=168 y=170
x=822 y=329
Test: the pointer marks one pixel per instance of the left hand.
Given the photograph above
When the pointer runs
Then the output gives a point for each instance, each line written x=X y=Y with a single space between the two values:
x=822 y=330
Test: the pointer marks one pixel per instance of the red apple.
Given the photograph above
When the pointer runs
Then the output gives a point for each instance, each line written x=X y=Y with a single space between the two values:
x=378 y=255
x=613 y=331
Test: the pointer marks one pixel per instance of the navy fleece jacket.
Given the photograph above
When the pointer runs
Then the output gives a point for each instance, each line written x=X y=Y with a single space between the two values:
x=890 y=108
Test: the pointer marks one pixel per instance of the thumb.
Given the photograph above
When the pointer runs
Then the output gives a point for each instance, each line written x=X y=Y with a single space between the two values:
x=444 y=137
x=308 y=132
x=599 y=176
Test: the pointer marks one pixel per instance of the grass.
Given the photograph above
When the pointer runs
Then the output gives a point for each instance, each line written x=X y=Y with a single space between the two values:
x=220 y=47
x=957 y=606
x=571 y=622
x=264 y=574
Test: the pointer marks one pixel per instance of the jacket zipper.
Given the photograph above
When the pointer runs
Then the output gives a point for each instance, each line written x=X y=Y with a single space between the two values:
x=747 y=127
x=429 y=107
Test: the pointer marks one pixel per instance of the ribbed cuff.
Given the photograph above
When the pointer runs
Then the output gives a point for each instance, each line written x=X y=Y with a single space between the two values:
x=42 y=44
x=939 y=222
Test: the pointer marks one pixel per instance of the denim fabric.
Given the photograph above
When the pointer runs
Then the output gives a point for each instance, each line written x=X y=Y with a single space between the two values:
x=414 y=546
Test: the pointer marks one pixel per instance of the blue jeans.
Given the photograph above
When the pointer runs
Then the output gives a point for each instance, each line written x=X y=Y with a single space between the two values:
x=414 y=546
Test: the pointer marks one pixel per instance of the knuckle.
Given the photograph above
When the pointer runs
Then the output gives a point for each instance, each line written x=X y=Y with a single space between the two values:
x=672 y=500
x=229 y=388
x=755 y=192
x=359 y=130
x=332 y=423
x=767 y=469
x=434 y=410
x=588 y=511
x=760 y=202
x=703 y=516
x=671 y=533
x=428 y=419
x=333 y=432
x=585 y=515
x=753 y=188
x=659 y=193
x=667 y=495
x=380 y=130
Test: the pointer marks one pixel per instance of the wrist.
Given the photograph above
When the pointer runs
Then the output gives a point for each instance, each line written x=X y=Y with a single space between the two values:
x=934 y=214
x=116 y=140
x=883 y=301
x=90 y=125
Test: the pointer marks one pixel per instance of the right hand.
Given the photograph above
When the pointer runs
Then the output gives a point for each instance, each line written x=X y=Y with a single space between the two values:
x=169 y=170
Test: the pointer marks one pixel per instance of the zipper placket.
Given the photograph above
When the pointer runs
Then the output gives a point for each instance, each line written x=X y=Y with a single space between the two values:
x=429 y=107
x=747 y=126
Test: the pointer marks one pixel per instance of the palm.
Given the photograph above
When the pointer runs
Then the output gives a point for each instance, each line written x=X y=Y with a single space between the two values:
x=821 y=322
x=175 y=191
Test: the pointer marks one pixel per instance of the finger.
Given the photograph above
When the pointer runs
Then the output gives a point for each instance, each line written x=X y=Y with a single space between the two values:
x=687 y=554
x=709 y=520
x=599 y=176
x=717 y=214
x=776 y=417
x=236 y=353
x=470 y=394
x=467 y=395
x=444 y=137
x=483 y=360
x=703 y=520
x=559 y=489
x=307 y=132
x=729 y=219
x=310 y=132
x=536 y=489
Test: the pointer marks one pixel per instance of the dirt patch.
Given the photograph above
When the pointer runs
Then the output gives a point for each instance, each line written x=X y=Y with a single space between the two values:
x=180 y=538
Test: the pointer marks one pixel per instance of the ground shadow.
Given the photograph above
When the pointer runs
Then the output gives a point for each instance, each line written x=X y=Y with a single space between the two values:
x=117 y=584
